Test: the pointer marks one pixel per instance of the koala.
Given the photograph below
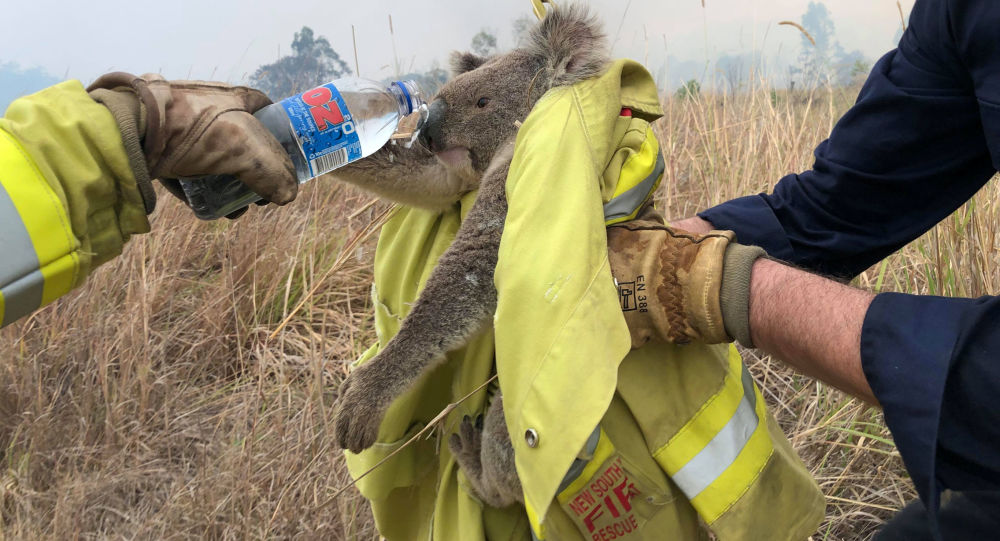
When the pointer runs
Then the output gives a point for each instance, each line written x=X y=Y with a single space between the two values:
x=470 y=133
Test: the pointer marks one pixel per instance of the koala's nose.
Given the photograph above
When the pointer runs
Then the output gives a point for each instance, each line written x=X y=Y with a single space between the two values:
x=430 y=134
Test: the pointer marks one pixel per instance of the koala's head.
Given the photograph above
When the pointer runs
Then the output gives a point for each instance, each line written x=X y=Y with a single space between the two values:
x=475 y=112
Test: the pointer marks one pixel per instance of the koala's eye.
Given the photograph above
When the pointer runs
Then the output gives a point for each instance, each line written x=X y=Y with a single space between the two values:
x=483 y=102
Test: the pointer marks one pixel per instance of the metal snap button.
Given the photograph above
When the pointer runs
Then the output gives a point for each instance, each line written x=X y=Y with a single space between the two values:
x=531 y=437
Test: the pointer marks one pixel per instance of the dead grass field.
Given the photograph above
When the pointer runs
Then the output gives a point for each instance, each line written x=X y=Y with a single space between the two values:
x=153 y=403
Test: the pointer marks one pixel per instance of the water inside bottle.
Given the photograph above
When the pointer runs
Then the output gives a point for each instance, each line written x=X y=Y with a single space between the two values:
x=370 y=117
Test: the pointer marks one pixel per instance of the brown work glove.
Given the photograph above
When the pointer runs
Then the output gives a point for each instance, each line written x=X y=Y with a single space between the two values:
x=680 y=287
x=177 y=129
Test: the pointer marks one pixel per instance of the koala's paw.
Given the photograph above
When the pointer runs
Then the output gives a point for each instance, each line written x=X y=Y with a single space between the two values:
x=359 y=413
x=466 y=445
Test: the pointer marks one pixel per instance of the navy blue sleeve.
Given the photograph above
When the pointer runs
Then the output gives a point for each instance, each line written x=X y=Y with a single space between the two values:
x=907 y=154
x=922 y=138
x=932 y=363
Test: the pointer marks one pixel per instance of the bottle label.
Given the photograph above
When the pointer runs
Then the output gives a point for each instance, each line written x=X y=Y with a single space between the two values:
x=324 y=128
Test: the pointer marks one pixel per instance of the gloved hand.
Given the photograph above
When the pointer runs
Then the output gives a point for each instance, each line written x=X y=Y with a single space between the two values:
x=194 y=128
x=679 y=287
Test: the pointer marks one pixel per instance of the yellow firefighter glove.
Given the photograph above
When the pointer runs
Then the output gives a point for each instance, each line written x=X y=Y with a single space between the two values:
x=194 y=129
x=680 y=287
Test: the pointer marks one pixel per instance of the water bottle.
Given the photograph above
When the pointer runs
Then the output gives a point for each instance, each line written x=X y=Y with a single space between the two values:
x=321 y=129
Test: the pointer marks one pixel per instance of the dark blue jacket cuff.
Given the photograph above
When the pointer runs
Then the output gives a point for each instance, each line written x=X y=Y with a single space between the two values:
x=932 y=364
x=754 y=223
x=908 y=378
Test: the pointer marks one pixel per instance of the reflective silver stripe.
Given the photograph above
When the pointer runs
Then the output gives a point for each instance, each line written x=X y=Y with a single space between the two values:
x=20 y=279
x=626 y=203
x=579 y=464
x=23 y=296
x=722 y=451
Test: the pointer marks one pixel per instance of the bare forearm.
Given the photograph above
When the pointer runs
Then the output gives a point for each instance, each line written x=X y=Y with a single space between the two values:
x=693 y=224
x=808 y=322
x=811 y=323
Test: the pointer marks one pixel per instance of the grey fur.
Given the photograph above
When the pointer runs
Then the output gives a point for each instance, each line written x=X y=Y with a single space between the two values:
x=462 y=62
x=486 y=456
x=477 y=137
x=411 y=176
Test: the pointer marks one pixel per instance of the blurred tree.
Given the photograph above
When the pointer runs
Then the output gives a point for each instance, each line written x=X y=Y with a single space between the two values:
x=690 y=89
x=860 y=68
x=816 y=58
x=851 y=68
x=312 y=62
x=484 y=43
x=734 y=70
x=823 y=61
x=522 y=25
x=429 y=81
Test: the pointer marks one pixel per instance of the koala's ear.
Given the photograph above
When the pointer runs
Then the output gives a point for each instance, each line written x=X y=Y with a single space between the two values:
x=570 y=44
x=463 y=62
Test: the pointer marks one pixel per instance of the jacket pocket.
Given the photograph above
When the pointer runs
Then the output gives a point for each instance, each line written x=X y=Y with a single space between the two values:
x=405 y=469
x=615 y=496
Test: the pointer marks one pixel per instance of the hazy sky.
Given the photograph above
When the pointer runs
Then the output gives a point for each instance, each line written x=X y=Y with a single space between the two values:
x=228 y=39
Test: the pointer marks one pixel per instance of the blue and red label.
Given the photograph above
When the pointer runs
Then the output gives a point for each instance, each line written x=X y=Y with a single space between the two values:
x=324 y=128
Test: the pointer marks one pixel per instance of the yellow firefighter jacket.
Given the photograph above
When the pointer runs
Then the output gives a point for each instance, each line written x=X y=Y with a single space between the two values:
x=68 y=198
x=609 y=443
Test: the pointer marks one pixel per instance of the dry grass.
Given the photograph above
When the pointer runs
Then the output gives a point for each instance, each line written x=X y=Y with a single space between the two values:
x=153 y=404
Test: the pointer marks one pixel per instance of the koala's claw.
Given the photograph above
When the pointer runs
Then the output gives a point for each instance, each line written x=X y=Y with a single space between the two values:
x=355 y=434
x=359 y=415
x=466 y=445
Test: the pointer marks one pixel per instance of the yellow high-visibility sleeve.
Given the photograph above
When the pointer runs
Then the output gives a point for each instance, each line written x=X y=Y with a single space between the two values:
x=68 y=198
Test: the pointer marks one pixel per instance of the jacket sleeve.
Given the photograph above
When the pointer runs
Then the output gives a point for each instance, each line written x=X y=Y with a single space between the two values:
x=923 y=137
x=68 y=197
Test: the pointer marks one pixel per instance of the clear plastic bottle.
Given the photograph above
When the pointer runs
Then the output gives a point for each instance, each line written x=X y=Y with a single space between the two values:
x=321 y=129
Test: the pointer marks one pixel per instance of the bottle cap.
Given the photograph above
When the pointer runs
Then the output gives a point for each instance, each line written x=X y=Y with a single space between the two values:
x=412 y=96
